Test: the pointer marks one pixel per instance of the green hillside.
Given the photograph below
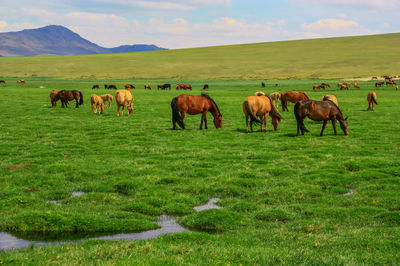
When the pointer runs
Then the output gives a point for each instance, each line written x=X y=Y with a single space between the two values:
x=344 y=57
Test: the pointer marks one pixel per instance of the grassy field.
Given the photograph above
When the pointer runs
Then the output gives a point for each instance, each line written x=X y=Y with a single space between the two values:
x=345 y=57
x=286 y=199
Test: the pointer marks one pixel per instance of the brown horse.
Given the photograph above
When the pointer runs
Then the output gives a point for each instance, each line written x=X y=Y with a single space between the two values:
x=147 y=87
x=344 y=87
x=260 y=106
x=391 y=82
x=53 y=94
x=107 y=98
x=95 y=86
x=379 y=84
x=356 y=86
x=292 y=96
x=205 y=86
x=183 y=87
x=65 y=96
x=193 y=105
x=124 y=98
x=97 y=103
x=2 y=81
x=325 y=84
x=371 y=98
x=319 y=111
x=21 y=81
x=129 y=86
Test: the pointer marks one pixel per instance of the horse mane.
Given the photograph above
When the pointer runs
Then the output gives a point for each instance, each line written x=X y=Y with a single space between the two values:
x=334 y=104
x=208 y=97
x=304 y=95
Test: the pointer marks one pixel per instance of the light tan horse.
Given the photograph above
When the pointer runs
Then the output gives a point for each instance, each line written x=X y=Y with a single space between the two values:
x=53 y=94
x=330 y=97
x=107 y=98
x=260 y=106
x=276 y=97
x=97 y=103
x=124 y=98
x=371 y=97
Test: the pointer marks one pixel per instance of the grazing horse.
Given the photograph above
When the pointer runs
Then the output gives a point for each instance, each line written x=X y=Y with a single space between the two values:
x=344 y=86
x=260 y=106
x=167 y=86
x=53 y=94
x=275 y=96
x=205 y=86
x=356 y=86
x=371 y=98
x=397 y=87
x=183 y=87
x=379 y=84
x=112 y=86
x=325 y=84
x=317 y=86
x=147 y=86
x=263 y=84
x=21 y=81
x=391 y=82
x=107 y=98
x=65 y=96
x=330 y=97
x=96 y=86
x=124 y=98
x=97 y=102
x=129 y=86
x=160 y=87
x=2 y=81
x=319 y=111
x=292 y=96
x=193 y=105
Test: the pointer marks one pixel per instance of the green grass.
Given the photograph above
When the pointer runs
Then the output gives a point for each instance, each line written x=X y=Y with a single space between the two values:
x=345 y=57
x=285 y=197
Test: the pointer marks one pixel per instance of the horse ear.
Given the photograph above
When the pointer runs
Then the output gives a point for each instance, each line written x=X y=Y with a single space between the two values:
x=346 y=118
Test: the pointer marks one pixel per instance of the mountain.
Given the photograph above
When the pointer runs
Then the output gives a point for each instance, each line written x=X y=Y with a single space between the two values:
x=58 y=40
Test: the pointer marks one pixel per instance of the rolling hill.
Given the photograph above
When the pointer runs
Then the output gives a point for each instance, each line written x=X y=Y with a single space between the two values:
x=344 y=57
x=57 y=40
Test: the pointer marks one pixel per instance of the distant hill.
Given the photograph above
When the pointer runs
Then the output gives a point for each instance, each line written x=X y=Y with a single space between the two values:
x=57 y=40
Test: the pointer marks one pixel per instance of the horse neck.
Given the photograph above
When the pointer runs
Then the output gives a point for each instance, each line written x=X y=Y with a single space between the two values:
x=213 y=110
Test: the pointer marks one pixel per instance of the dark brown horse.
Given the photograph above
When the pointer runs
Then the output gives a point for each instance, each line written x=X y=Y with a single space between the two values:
x=319 y=111
x=2 y=81
x=65 y=96
x=205 y=86
x=292 y=96
x=380 y=83
x=95 y=86
x=193 y=105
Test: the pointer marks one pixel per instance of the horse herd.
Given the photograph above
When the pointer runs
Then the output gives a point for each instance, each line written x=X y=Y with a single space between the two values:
x=148 y=87
x=256 y=108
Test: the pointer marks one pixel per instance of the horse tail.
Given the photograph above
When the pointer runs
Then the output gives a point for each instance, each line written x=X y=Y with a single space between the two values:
x=176 y=117
x=374 y=99
x=298 y=118
x=283 y=101
x=81 y=98
x=250 y=112
x=274 y=111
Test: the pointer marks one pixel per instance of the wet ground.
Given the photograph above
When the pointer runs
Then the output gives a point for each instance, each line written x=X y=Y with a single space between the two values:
x=168 y=225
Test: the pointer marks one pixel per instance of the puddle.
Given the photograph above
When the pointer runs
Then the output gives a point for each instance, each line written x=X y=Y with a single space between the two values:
x=168 y=224
x=210 y=205
x=350 y=192
x=77 y=194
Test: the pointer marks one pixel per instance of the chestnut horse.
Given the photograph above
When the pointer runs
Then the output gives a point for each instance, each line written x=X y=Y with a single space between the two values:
x=371 y=98
x=65 y=96
x=53 y=94
x=193 y=105
x=292 y=96
x=319 y=111
x=124 y=98
x=97 y=103
x=261 y=106
x=107 y=98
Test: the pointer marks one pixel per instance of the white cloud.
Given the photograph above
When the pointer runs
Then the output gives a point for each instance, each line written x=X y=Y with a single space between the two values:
x=3 y=24
x=334 y=27
x=356 y=4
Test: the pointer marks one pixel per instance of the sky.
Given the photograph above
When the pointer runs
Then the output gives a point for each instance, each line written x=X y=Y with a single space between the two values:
x=197 y=23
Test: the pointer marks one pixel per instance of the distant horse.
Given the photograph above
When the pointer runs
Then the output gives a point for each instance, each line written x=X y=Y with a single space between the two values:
x=147 y=86
x=379 y=84
x=21 y=81
x=292 y=96
x=356 y=86
x=97 y=103
x=260 y=106
x=107 y=98
x=371 y=98
x=330 y=97
x=397 y=87
x=319 y=111
x=53 y=94
x=96 y=86
x=344 y=87
x=160 y=87
x=2 y=81
x=325 y=84
x=263 y=84
x=318 y=87
x=183 y=87
x=105 y=86
x=112 y=86
x=205 y=86
x=167 y=86
x=391 y=82
x=124 y=98
x=374 y=78
x=68 y=95
x=275 y=96
x=129 y=86
x=193 y=105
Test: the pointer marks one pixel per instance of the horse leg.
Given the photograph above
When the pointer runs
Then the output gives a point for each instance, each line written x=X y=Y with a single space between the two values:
x=251 y=126
x=205 y=122
x=247 y=124
x=118 y=114
x=334 y=126
x=323 y=127
x=298 y=129
x=183 y=114
x=262 y=122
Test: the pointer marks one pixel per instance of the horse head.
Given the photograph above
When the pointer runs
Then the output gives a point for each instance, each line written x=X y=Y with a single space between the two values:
x=218 y=121
x=343 y=125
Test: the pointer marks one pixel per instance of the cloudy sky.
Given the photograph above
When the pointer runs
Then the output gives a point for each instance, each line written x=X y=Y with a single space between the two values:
x=195 y=23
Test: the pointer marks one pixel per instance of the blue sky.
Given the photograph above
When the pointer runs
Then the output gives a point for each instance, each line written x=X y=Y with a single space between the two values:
x=195 y=23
